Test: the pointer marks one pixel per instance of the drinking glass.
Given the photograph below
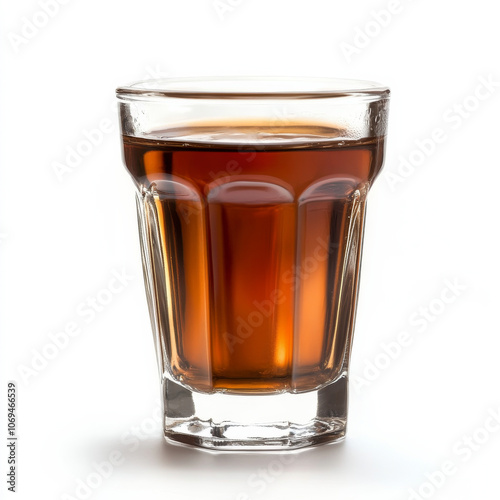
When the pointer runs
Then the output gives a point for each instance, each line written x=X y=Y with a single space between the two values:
x=251 y=196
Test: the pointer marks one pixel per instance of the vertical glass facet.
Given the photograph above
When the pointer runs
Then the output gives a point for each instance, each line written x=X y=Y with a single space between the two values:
x=251 y=235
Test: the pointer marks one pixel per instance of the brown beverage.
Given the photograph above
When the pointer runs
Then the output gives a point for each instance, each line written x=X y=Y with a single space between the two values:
x=255 y=258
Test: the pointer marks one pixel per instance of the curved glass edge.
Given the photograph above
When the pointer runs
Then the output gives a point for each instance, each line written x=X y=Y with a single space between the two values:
x=252 y=88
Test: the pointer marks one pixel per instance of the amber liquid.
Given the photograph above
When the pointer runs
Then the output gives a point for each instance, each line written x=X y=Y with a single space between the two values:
x=257 y=234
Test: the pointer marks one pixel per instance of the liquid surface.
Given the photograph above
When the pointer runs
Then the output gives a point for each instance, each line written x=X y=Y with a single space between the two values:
x=254 y=235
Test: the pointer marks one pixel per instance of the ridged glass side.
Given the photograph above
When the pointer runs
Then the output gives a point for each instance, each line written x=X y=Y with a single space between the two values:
x=220 y=324
x=329 y=240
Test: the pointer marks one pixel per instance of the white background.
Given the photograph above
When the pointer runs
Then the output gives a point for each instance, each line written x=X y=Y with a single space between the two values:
x=62 y=238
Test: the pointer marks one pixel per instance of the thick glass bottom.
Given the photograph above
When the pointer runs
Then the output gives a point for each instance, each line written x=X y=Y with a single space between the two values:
x=283 y=421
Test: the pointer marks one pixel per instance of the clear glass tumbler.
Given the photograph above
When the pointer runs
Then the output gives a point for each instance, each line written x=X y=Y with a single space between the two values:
x=251 y=198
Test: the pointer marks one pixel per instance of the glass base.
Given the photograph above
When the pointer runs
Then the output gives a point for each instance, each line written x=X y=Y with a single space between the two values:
x=280 y=422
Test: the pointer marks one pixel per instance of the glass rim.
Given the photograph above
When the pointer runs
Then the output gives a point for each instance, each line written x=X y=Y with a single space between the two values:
x=252 y=87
